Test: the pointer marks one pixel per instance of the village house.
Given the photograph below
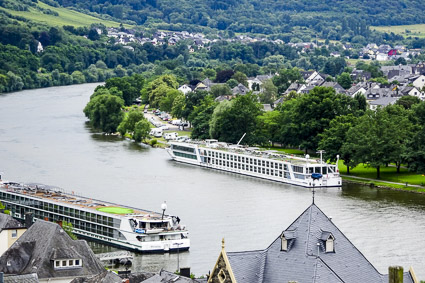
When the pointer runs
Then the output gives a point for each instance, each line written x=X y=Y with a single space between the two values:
x=46 y=250
x=382 y=102
x=311 y=249
x=10 y=231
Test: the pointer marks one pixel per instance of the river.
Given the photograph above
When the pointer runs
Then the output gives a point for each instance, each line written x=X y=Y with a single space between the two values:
x=44 y=139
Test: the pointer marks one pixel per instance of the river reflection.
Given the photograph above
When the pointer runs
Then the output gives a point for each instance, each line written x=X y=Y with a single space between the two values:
x=44 y=138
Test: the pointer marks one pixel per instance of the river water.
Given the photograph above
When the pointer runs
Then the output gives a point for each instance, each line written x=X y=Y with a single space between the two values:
x=44 y=139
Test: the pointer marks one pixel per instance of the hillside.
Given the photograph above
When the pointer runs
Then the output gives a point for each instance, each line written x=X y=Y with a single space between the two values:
x=54 y=16
x=332 y=19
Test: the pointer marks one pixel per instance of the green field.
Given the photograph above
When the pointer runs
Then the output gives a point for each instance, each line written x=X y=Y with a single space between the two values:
x=285 y=150
x=66 y=17
x=387 y=174
x=115 y=210
x=407 y=30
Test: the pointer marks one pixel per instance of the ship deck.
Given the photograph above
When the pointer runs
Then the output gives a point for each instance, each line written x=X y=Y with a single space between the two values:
x=267 y=154
x=44 y=192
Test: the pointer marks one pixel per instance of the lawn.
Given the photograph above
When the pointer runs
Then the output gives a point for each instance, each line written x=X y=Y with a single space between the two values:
x=415 y=30
x=285 y=150
x=66 y=17
x=387 y=174
x=115 y=210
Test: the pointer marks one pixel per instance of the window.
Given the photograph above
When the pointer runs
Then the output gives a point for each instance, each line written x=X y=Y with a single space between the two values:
x=330 y=244
x=14 y=233
x=284 y=244
x=221 y=276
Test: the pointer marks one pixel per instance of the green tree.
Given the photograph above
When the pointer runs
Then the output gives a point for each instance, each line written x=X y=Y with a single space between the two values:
x=305 y=117
x=344 y=80
x=141 y=130
x=269 y=93
x=232 y=83
x=285 y=78
x=231 y=119
x=78 y=77
x=333 y=139
x=179 y=104
x=129 y=122
x=202 y=115
x=268 y=125
x=415 y=148
x=221 y=90
x=376 y=139
x=408 y=101
x=241 y=78
x=158 y=88
x=104 y=112
x=68 y=228
x=166 y=104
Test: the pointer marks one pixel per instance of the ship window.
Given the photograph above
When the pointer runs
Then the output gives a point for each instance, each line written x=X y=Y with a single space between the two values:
x=227 y=164
x=263 y=163
x=268 y=173
x=239 y=166
x=250 y=168
x=255 y=161
x=285 y=167
x=298 y=169
x=280 y=173
x=243 y=166
x=227 y=156
x=263 y=170
x=271 y=172
x=267 y=164
x=317 y=169
x=325 y=170
x=239 y=159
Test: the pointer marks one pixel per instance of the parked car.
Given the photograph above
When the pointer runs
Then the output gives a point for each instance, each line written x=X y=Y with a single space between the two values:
x=164 y=127
x=170 y=136
x=156 y=132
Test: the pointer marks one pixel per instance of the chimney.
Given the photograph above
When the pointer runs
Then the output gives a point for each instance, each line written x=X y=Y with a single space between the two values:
x=28 y=220
x=395 y=274
x=185 y=271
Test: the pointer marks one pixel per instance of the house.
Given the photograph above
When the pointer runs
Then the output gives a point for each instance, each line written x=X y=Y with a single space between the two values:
x=185 y=89
x=240 y=89
x=419 y=82
x=336 y=86
x=382 y=102
x=311 y=249
x=360 y=75
x=10 y=230
x=47 y=250
x=382 y=57
x=358 y=88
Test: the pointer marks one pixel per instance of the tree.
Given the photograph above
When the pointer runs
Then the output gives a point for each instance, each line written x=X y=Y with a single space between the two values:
x=285 y=78
x=333 y=139
x=179 y=104
x=268 y=126
x=166 y=103
x=269 y=93
x=158 y=88
x=141 y=130
x=305 y=117
x=202 y=114
x=415 y=148
x=344 y=80
x=232 y=83
x=224 y=76
x=408 y=101
x=104 y=112
x=68 y=228
x=241 y=78
x=231 y=119
x=377 y=139
x=220 y=90
x=128 y=123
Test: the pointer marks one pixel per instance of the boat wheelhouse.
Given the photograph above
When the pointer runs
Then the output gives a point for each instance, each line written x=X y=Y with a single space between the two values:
x=253 y=162
x=121 y=226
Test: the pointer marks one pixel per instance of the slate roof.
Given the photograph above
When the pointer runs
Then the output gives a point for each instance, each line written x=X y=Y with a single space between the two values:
x=8 y=222
x=240 y=89
x=302 y=263
x=36 y=249
x=27 y=278
x=166 y=276
x=384 y=101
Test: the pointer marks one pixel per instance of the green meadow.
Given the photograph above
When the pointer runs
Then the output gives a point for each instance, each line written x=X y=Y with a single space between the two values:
x=66 y=17
x=406 y=30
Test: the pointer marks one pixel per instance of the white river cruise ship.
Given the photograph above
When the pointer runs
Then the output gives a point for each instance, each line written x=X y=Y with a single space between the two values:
x=253 y=162
x=117 y=225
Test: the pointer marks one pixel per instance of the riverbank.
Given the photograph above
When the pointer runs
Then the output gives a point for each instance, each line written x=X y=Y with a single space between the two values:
x=384 y=184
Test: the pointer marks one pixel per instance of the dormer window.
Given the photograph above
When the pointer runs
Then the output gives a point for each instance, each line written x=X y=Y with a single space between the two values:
x=67 y=263
x=287 y=240
x=329 y=240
